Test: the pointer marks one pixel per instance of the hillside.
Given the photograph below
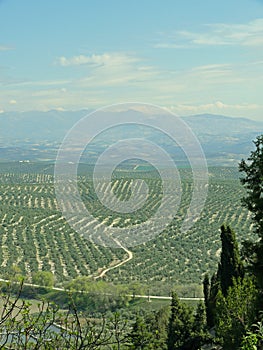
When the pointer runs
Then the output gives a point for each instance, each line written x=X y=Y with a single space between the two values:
x=34 y=236
x=37 y=135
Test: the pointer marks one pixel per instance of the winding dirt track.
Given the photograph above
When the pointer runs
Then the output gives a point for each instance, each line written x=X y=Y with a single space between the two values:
x=130 y=256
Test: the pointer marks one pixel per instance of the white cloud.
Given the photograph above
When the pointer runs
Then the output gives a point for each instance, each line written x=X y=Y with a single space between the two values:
x=217 y=74
x=41 y=83
x=5 y=48
x=213 y=70
x=12 y=102
x=216 y=107
x=171 y=45
x=120 y=77
x=59 y=109
x=219 y=34
x=114 y=70
x=96 y=60
x=108 y=70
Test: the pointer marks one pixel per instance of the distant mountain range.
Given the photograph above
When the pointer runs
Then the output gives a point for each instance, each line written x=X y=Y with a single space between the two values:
x=36 y=136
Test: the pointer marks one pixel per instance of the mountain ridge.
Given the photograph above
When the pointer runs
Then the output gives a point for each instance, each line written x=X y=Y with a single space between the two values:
x=36 y=135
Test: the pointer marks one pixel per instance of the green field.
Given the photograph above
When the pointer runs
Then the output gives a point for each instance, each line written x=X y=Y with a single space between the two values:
x=34 y=235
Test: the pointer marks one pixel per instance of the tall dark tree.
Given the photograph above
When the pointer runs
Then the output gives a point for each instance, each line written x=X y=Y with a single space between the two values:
x=210 y=293
x=180 y=324
x=158 y=325
x=230 y=268
x=230 y=265
x=141 y=337
x=253 y=182
x=149 y=331
x=208 y=308
x=200 y=335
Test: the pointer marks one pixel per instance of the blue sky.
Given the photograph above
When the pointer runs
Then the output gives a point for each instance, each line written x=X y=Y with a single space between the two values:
x=190 y=56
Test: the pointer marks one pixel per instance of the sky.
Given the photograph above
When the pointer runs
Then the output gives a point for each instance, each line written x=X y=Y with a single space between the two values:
x=189 y=56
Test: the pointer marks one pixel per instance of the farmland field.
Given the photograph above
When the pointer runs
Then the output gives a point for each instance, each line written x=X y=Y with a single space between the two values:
x=34 y=235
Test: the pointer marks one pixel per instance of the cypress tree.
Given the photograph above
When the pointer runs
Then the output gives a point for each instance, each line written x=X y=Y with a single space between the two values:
x=172 y=332
x=199 y=332
x=230 y=268
x=253 y=183
x=210 y=293
x=230 y=265
x=208 y=306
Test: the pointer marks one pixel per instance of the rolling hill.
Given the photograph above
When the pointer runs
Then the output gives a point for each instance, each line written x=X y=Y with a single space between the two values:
x=37 y=135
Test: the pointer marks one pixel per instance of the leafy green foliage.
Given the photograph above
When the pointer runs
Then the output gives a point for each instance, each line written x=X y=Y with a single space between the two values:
x=43 y=278
x=254 y=337
x=236 y=312
x=249 y=342
x=49 y=328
